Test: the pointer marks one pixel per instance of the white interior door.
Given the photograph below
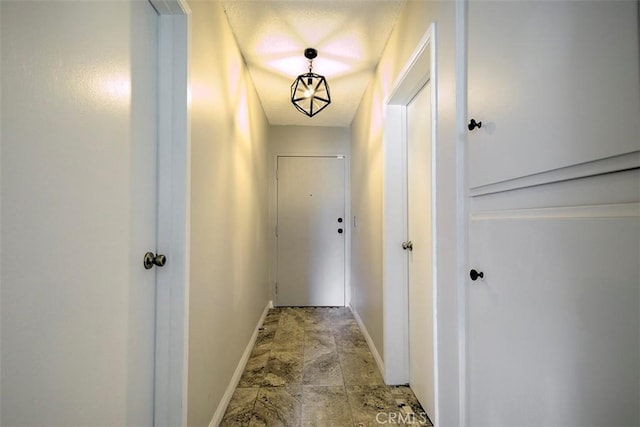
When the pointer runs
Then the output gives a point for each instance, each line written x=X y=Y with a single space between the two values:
x=311 y=231
x=78 y=212
x=421 y=368
x=143 y=213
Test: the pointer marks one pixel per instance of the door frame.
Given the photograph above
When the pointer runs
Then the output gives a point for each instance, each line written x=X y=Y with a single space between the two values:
x=347 y=224
x=419 y=69
x=172 y=281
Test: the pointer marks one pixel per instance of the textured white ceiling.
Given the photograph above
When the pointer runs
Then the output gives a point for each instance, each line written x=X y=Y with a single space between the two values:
x=349 y=36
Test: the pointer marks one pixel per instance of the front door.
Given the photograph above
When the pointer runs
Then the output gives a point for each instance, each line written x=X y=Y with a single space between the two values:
x=311 y=231
x=421 y=368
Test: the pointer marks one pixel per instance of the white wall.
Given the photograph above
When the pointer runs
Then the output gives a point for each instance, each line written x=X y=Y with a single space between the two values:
x=304 y=140
x=309 y=140
x=229 y=210
x=366 y=176
x=1 y=138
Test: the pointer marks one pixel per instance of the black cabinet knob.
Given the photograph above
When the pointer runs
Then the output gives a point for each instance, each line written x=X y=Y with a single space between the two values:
x=474 y=274
x=340 y=230
x=473 y=124
x=339 y=219
x=408 y=245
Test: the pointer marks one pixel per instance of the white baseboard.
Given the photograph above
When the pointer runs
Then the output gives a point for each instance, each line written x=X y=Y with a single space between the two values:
x=370 y=343
x=226 y=398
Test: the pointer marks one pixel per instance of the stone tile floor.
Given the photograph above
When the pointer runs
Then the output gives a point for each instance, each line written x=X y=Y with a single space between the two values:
x=311 y=366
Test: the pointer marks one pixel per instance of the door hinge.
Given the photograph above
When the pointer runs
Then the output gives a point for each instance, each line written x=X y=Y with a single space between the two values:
x=276 y=288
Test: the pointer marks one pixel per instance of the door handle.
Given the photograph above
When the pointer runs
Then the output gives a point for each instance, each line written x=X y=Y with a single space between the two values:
x=151 y=259
x=407 y=245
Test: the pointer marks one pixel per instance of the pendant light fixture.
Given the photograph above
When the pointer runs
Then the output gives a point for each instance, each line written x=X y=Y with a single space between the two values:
x=310 y=91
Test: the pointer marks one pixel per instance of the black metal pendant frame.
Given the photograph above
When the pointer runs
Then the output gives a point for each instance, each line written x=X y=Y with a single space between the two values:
x=310 y=93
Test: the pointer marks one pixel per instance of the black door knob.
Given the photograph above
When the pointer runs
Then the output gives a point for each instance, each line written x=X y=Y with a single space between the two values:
x=473 y=124
x=151 y=259
x=160 y=260
x=474 y=274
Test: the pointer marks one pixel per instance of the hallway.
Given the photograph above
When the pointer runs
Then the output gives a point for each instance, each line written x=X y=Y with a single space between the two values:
x=311 y=366
x=149 y=159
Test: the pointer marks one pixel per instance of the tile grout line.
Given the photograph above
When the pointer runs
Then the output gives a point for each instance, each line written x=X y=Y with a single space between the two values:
x=328 y=326
x=261 y=382
x=304 y=358
x=344 y=381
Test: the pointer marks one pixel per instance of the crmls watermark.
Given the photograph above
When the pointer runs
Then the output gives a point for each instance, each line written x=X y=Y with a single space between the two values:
x=403 y=418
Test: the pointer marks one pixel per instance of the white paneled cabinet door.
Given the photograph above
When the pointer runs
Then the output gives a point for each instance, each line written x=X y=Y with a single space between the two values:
x=553 y=84
x=553 y=306
x=311 y=229
x=421 y=369
x=78 y=212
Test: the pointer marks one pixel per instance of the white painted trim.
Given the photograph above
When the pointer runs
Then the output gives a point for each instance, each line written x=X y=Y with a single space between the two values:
x=433 y=78
x=619 y=163
x=395 y=291
x=1 y=353
x=348 y=224
x=462 y=206
x=620 y=210
x=172 y=282
x=407 y=83
x=235 y=379
x=308 y=154
x=420 y=69
x=171 y=7
x=367 y=337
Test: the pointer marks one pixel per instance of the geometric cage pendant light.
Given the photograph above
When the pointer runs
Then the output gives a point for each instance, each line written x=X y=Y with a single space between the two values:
x=310 y=91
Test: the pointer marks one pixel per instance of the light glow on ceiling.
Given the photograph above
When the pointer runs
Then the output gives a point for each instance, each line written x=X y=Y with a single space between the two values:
x=348 y=35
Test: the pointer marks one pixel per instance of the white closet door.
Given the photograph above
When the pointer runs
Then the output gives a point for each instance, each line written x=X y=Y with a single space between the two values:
x=421 y=369
x=78 y=212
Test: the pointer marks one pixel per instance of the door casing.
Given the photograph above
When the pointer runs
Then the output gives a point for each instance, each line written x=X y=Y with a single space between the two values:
x=172 y=282
x=420 y=68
